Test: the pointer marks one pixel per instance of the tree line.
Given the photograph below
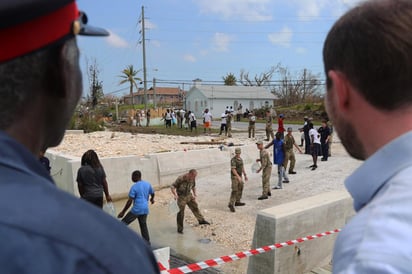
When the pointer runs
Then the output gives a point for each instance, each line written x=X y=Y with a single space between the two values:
x=290 y=88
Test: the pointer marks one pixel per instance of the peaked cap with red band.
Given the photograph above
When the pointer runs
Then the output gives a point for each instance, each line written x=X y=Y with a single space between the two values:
x=29 y=25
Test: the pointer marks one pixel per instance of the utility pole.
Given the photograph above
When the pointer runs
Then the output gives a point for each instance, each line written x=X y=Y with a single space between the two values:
x=144 y=61
x=304 y=84
x=154 y=92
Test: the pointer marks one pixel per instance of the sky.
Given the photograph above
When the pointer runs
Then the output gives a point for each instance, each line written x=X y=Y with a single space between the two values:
x=205 y=39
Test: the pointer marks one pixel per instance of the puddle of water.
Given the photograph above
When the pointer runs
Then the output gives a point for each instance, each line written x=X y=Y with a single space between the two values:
x=187 y=247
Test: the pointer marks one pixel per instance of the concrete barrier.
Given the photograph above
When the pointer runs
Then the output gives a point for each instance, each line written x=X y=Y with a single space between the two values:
x=294 y=220
x=160 y=169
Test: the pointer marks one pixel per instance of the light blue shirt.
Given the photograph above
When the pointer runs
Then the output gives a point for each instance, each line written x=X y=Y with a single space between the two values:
x=140 y=192
x=379 y=238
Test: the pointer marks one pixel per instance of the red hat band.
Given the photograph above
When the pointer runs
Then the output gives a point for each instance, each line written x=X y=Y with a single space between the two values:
x=29 y=36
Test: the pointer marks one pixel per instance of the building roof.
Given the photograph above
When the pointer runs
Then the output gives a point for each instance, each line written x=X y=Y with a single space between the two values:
x=240 y=92
x=164 y=91
x=159 y=91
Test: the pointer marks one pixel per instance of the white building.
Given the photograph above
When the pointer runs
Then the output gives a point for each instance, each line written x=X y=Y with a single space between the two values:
x=218 y=98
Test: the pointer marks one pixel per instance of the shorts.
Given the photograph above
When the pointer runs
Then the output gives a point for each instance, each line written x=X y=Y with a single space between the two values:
x=207 y=124
x=315 y=149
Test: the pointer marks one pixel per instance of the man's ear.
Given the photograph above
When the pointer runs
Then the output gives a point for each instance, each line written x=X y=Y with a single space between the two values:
x=341 y=89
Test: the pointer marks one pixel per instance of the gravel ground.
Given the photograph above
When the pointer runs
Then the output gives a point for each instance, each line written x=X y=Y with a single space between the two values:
x=231 y=230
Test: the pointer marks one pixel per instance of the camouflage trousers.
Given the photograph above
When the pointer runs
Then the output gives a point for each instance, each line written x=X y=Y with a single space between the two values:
x=229 y=129
x=269 y=133
x=237 y=190
x=266 y=173
x=290 y=156
x=251 y=131
x=190 y=201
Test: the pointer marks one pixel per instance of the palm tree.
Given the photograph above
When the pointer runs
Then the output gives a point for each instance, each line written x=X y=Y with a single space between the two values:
x=129 y=76
x=230 y=80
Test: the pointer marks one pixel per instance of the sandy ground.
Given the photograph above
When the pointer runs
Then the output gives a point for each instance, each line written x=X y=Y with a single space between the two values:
x=234 y=231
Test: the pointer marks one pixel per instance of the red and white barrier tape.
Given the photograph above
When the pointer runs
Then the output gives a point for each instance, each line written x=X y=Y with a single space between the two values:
x=234 y=257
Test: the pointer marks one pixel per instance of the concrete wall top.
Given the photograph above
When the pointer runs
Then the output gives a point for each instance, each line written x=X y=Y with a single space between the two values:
x=305 y=204
x=309 y=216
x=160 y=169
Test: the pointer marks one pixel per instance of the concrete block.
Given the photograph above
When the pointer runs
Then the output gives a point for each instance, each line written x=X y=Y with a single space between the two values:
x=160 y=169
x=294 y=220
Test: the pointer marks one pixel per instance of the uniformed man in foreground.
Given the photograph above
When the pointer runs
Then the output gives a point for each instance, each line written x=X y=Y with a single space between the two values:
x=44 y=229
x=236 y=170
x=184 y=191
x=266 y=168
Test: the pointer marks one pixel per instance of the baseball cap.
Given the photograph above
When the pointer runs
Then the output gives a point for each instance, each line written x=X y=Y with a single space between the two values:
x=259 y=143
x=237 y=150
x=30 y=25
x=281 y=115
x=290 y=129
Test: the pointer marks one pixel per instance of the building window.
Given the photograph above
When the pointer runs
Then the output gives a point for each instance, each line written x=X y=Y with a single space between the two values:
x=205 y=104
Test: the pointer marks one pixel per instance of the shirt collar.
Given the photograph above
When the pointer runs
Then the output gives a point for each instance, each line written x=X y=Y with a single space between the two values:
x=15 y=155
x=369 y=178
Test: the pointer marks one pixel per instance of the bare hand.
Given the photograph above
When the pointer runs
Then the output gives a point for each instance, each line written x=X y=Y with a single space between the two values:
x=120 y=215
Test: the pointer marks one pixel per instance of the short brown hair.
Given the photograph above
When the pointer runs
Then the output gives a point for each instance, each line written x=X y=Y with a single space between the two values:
x=372 y=45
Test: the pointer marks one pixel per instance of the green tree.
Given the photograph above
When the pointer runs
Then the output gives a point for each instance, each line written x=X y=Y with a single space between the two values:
x=230 y=80
x=129 y=76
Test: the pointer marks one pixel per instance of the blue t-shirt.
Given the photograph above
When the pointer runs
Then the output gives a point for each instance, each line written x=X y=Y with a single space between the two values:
x=140 y=192
x=278 y=154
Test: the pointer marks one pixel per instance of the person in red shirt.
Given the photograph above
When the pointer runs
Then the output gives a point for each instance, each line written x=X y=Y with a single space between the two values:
x=281 y=129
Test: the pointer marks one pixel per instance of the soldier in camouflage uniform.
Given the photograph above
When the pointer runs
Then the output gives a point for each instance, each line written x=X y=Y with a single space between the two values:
x=229 y=119
x=182 y=190
x=266 y=166
x=290 y=154
x=237 y=169
x=269 y=130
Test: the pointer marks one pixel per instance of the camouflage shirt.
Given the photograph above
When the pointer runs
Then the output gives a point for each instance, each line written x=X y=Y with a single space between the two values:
x=184 y=185
x=265 y=159
x=269 y=121
x=289 y=142
x=236 y=163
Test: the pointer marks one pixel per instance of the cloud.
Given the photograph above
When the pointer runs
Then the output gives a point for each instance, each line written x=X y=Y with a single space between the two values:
x=249 y=10
x=301 y=50
x=149 y=25
x=155 y=43
x=189 y=58
x=281 y=38
x=221 y=42
x=116 y=41
x=310 y=10
x=307 y=10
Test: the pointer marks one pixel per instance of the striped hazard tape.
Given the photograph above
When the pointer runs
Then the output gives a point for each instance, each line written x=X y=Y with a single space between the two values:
x=234 y=257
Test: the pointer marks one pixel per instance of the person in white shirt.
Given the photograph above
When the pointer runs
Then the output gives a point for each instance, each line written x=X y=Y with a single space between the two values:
x=207 y=121
x=314 y=145
x=192 y=120
x=223 y=123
